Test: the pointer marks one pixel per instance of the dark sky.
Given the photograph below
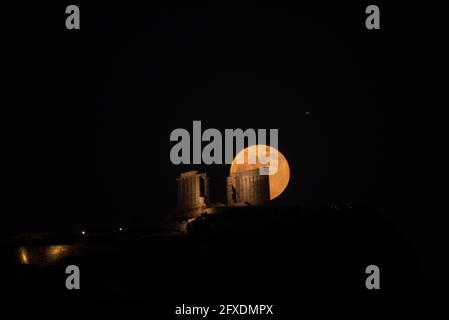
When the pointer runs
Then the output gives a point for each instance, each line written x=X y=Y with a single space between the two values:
x=95 y=107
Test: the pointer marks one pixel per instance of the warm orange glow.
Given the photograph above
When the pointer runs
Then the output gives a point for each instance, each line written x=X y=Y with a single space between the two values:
x=56 y=252
x=23 y=255
x=247 y=160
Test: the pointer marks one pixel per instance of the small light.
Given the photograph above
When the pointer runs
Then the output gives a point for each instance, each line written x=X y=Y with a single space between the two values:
x=121 y=229
x=83 y=233
x=307 y=113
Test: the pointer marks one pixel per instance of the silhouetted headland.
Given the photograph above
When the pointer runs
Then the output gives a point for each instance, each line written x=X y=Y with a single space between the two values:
x=253 y=251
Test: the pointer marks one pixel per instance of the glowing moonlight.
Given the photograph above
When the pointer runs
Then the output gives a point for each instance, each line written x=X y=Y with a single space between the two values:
x=278 y=181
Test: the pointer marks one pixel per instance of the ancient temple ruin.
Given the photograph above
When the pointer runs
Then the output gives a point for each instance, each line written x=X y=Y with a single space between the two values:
x=248 y=187
x=193 y=191
x=242 y=189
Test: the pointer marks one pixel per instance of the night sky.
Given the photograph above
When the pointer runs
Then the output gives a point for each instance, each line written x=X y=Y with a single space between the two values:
x=362 y=115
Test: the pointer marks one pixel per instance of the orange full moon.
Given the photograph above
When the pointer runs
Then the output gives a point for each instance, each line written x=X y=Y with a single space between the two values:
x=247 y=160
